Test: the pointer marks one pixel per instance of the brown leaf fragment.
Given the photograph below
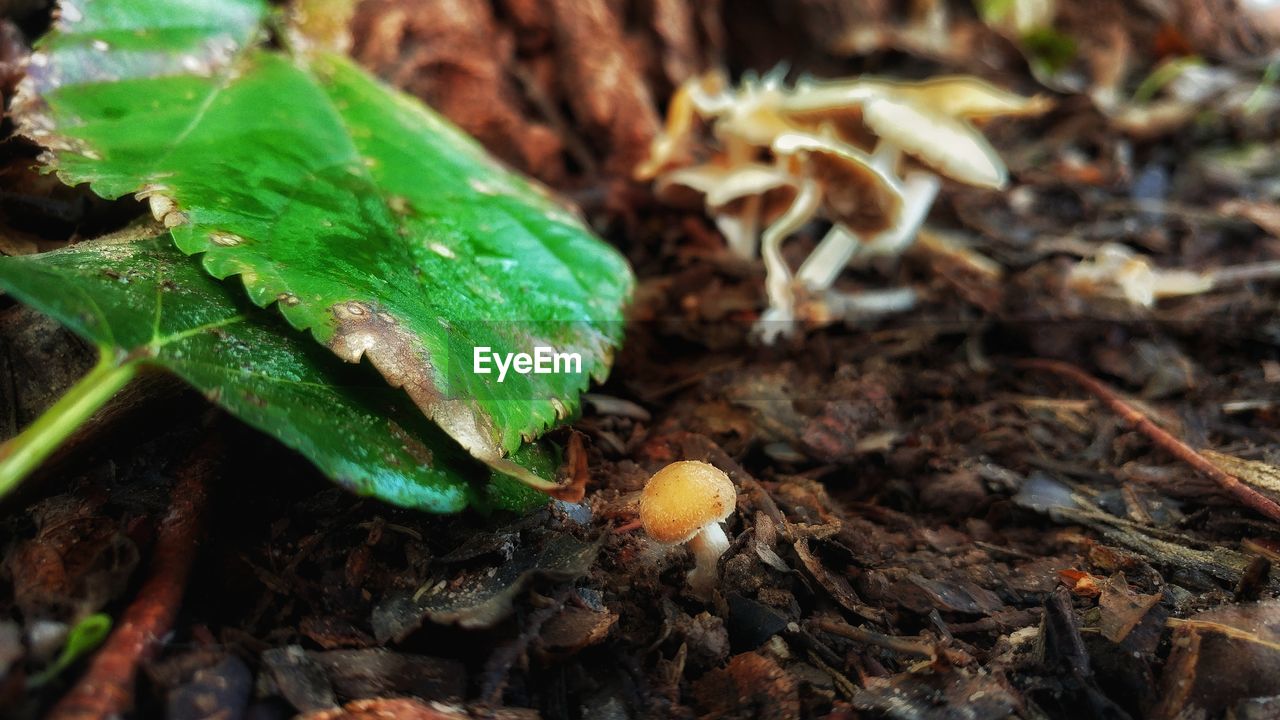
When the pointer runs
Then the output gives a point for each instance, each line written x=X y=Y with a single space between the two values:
x=1220 y=658
x=573 y=475
x=750 y=686
x=577 y=628
x=1129 y=618
x=835 y=583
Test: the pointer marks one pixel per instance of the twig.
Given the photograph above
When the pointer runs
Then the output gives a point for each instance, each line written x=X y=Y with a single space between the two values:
x=1245 y=494
x=906 y=646
x=107 y=687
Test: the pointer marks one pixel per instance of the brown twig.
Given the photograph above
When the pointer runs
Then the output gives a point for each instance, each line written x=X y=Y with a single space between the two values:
x=1242 y=492
x=106 y=689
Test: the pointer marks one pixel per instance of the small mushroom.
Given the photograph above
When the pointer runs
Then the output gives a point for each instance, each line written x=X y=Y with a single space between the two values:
x=739 y=198
x=853 y=191
x=1118 y=272
x=684 y=502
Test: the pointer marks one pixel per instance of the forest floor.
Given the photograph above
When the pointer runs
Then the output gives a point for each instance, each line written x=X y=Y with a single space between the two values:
x=928 y=526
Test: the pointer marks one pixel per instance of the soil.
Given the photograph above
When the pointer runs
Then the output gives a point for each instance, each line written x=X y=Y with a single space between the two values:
x=927 y=526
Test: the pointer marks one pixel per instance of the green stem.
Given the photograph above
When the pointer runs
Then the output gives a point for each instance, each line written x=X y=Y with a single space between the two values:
x=23 y=453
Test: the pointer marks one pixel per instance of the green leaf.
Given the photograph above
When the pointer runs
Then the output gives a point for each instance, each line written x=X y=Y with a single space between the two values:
x=146 y=304
x=82 y=639
x=376 y=225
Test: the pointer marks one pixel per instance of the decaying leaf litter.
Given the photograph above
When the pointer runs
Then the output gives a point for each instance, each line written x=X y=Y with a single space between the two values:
x=924 y=529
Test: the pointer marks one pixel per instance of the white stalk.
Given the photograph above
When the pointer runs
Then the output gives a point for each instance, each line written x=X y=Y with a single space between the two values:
x=741 y=229
x=777 y=282
x=820 y=270
x=707 y=547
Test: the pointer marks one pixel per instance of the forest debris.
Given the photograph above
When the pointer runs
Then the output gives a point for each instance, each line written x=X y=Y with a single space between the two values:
x=750 y=624
x=332 y=633
x=399 y=708
x=482 y=597
x=106 y=688
x=1130 y=618
x=704 y=637
x=835 y=584
x=1261 y=475
x=1265 y=215
x=905 y=645
x=76 y=563
x=939 y=695
x=576 y=628
x=912 y=591
x=825 y=417
x=375 y=672
x=1221 y=657
x=299 y=679
x=572 y=476
x=1243 y=493
x=1044 y=494
x=750 y=686
x=223 y=687
x=1063 y=651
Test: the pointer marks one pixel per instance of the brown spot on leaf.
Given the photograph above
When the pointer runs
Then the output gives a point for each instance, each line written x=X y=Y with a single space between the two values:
x=362 y=330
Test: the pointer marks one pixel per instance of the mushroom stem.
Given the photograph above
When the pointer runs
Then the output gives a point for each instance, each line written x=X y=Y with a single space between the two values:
x=777 y=275
x=885 y=157
x=707 y=547
x=740 y=229
x=841 y=246
x=820 y=270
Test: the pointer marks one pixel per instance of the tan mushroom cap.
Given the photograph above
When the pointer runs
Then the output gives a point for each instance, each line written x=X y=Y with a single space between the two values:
x=683 y=498
x=950 y=146
x=960 y=96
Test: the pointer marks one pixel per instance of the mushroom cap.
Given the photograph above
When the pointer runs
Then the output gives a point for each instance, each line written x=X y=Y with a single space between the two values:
x=961 y=96
x=856 y=192
x=683 y=498
x=951 y=146
x=723 y=189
